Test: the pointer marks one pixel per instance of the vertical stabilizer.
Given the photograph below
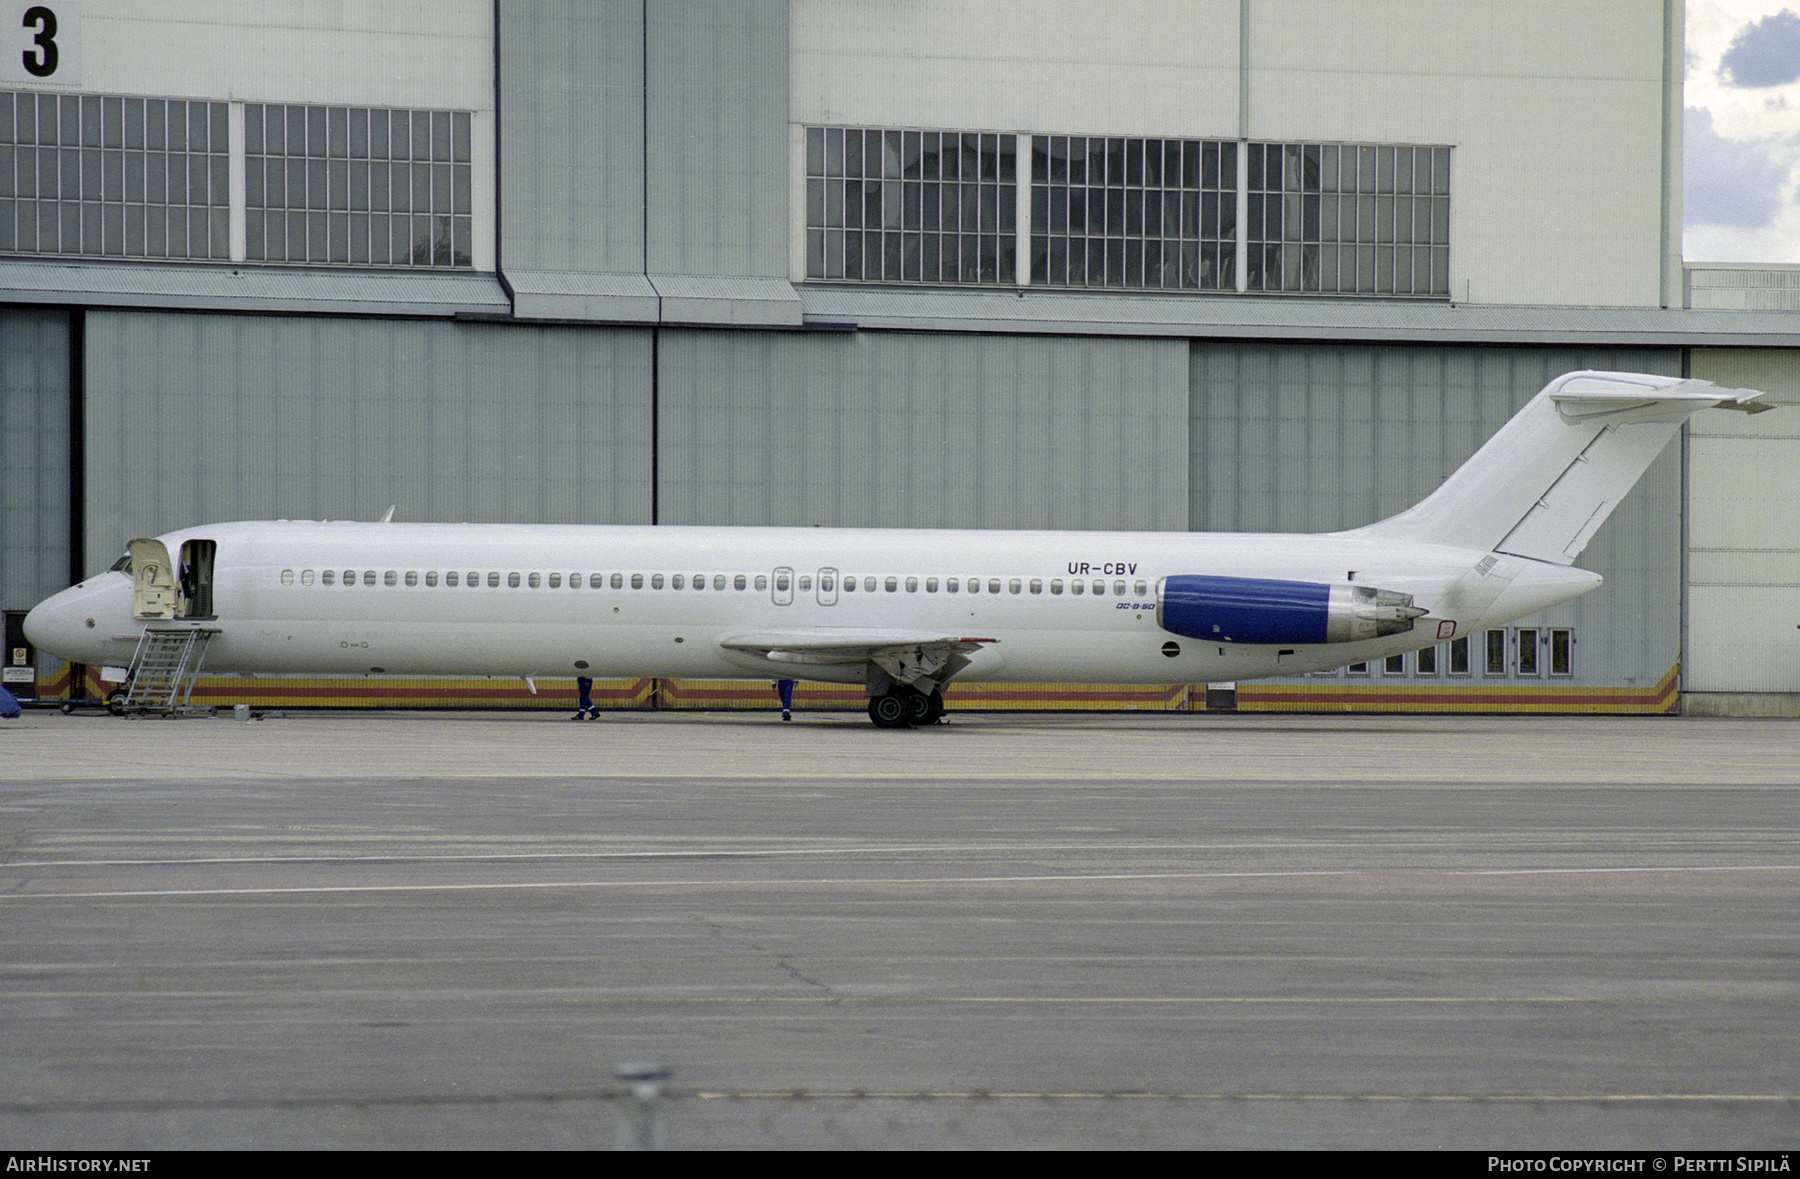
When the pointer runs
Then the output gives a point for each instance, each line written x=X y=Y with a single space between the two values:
x=1544 y=484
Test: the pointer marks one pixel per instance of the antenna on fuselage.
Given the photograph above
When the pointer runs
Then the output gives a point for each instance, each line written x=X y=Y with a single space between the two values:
x=388 y=517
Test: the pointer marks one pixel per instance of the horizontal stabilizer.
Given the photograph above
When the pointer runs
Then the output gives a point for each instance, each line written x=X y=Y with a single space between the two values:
x=1544 y=484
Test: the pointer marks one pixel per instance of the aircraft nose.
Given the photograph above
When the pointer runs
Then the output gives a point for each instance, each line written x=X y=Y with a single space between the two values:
x=78 y=623
x=51 y=626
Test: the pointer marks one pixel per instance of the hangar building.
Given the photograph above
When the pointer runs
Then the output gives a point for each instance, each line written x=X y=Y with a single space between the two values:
x=1180 y=264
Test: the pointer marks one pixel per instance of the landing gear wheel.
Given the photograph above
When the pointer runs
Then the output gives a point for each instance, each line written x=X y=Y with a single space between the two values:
x=890 y=711
x=937 y=708
x=918 y=709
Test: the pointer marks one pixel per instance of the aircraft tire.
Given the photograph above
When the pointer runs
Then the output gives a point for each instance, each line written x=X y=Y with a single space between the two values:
x=937 y=708
x=890 y=710
x=919 y=710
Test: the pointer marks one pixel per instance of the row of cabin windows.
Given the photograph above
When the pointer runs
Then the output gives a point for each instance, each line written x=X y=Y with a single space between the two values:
x=784 y=581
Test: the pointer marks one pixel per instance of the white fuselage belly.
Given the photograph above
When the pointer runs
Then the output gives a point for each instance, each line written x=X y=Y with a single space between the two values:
x=274 y=613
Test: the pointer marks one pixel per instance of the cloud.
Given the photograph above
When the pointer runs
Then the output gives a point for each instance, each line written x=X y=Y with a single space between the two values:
x=1764 y=52
x=1727 y=182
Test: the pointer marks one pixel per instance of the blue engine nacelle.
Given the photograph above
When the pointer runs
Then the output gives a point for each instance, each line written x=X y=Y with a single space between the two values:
x=1279 y=613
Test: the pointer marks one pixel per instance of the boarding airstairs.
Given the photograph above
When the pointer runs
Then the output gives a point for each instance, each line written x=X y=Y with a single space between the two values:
x=164 y=669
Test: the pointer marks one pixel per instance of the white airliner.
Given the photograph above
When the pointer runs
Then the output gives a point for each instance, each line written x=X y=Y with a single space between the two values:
x=901 y=612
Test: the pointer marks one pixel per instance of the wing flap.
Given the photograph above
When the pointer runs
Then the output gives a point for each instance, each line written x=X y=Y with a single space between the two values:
x=923 y=659
x=845 y=645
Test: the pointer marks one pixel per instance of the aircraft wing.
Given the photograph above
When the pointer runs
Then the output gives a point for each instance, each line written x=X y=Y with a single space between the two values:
x=908 y=657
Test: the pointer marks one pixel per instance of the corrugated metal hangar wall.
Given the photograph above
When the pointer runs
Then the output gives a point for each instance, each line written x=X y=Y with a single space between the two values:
x=658 y=353
x=234 y=417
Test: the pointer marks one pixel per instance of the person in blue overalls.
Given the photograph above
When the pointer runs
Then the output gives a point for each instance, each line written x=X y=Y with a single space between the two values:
x=584 y=708
x=786 y=689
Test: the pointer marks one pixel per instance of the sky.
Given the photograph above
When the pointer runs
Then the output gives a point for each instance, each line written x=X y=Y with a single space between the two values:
x=1741 y=135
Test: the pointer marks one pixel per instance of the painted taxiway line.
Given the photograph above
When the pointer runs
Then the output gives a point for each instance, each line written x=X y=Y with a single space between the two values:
x=878 y=882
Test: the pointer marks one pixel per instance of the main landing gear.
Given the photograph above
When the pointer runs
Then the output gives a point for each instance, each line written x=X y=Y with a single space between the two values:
x=900 y=708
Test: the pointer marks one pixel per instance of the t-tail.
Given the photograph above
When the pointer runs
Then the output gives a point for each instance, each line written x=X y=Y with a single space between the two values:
x=1544 y=484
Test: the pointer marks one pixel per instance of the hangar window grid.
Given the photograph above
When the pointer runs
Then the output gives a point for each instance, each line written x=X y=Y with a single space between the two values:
x=106 y=176
x=888 y=205
x=1348 y=219
x=358 y=186
x=905 y=206
x=1145 y=214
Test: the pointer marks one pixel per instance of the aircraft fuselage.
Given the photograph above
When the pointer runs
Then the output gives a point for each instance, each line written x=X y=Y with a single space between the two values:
x=528 y=600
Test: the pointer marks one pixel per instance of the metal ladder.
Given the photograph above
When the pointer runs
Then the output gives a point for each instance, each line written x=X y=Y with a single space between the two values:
x=164 y=669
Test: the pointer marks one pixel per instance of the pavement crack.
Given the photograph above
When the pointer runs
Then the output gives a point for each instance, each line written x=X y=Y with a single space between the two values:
x=782 y=962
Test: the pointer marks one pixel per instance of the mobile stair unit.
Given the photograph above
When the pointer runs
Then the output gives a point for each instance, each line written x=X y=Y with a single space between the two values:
x=163 y=671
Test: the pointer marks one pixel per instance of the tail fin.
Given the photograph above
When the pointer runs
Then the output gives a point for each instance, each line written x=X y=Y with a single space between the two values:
x=1544 y=484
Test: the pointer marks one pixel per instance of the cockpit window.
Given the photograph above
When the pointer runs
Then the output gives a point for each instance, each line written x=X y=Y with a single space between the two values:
x=122 y=565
